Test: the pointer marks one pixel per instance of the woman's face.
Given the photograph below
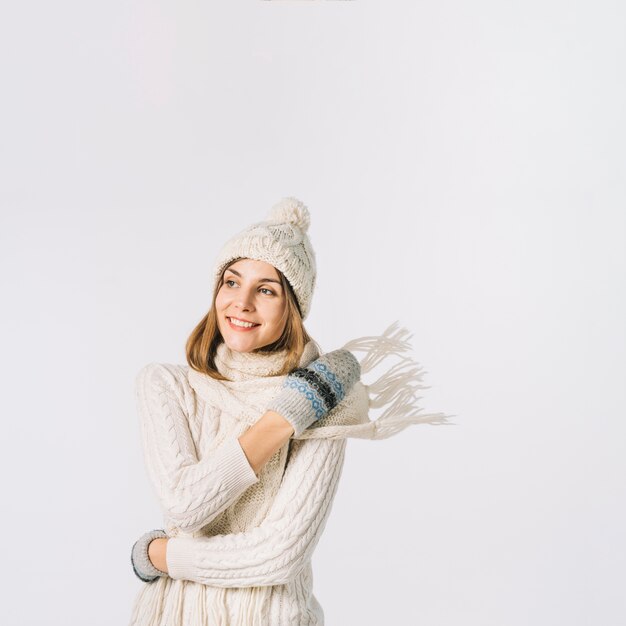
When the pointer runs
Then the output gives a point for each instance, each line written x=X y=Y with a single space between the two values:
x=251 y=292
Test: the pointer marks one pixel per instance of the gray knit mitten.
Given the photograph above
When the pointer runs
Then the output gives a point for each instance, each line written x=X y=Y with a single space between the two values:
x=142 y=565
x=310 y=393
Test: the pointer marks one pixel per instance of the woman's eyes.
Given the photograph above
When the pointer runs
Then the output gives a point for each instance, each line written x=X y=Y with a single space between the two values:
x=270 y=292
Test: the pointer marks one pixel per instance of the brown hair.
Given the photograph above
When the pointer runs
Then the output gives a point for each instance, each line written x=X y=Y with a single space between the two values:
x=206 y=337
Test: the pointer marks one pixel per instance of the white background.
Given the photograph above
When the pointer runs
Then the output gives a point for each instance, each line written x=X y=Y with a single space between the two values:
x=464 y=166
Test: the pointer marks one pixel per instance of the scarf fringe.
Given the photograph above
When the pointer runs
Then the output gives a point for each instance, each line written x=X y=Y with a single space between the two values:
x=396 y=388
x=175 y=613
x=378 y=347
x=189 y=604
x=217 y=609
x=197 y=601
x=254 y=609
x=150 y=595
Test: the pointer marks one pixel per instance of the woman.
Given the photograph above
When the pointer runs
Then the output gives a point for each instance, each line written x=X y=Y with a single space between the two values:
x=245 y=445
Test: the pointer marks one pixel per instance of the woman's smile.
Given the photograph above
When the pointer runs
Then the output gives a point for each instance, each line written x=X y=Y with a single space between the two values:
x=240 y=325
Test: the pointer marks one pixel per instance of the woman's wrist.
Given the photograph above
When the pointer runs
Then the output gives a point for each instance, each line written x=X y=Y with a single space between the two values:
x=277 y=421
x=264 y=438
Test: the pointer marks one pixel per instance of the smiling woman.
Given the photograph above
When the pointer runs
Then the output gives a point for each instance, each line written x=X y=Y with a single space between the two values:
x=245 y=445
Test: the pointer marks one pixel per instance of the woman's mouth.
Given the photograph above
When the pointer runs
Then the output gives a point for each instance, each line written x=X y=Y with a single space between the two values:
x=236 y=324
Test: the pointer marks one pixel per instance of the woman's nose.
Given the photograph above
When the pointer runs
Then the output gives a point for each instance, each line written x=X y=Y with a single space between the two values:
x=244 y=299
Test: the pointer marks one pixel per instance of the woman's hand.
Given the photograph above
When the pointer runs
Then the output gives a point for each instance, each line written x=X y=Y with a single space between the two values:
x=157 y=549
x=148 y=556
x=310 y=393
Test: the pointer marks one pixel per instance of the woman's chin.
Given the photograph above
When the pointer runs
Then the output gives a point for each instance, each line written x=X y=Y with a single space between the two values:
x=241 y=344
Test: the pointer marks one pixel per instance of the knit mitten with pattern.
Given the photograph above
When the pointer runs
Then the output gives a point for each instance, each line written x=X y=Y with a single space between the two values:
x=142 y=565
x=312 y=392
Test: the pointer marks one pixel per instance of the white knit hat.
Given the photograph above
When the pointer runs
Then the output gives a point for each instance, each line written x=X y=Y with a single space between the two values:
x=280 y=240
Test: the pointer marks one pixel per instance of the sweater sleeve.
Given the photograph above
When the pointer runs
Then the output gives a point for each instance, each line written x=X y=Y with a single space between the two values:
x=274 y=552
x=191 y=491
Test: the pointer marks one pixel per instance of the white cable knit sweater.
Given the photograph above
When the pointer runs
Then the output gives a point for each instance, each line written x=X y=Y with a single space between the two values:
x=240 y=545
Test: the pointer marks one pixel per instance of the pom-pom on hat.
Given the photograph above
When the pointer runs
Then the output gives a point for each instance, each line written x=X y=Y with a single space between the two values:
x=282 y=241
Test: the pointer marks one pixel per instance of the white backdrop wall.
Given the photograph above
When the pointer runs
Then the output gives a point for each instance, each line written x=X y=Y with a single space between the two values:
x=464 y=167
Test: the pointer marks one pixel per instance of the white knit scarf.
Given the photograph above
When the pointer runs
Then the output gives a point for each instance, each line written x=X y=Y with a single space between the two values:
x=254 y=381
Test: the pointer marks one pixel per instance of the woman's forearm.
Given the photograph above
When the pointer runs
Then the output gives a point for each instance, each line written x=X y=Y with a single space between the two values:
x=264 y=438
x=259 y=443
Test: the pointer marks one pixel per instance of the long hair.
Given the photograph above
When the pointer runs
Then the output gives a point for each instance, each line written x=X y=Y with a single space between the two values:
x=202 y=344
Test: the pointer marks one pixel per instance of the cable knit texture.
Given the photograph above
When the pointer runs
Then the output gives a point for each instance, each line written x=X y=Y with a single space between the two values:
x=240 y=544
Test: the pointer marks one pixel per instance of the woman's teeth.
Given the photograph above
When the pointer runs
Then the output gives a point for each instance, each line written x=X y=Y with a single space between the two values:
x=242 y=324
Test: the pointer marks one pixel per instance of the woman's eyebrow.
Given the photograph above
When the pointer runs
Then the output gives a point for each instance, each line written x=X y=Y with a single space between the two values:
x=261 y=280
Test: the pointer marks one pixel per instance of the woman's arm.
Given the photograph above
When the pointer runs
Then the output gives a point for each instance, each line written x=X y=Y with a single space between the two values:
x=261 y=441
x=193 y=492
x=276 y=551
